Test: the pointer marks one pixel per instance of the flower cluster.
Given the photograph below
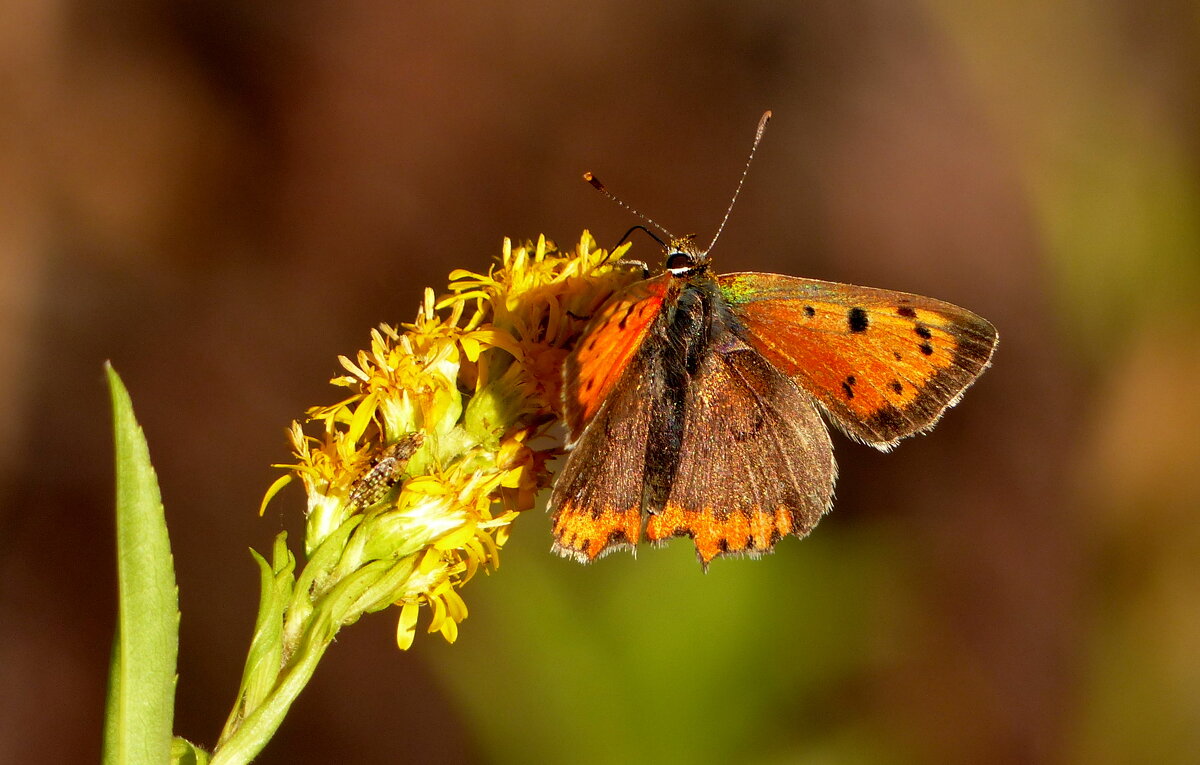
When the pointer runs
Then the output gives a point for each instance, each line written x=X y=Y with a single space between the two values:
x=444 y=436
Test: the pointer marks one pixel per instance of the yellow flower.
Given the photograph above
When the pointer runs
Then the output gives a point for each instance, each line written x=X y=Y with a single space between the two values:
x=442 y=438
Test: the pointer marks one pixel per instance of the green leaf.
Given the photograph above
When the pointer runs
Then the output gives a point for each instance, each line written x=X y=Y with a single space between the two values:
x=266 y=647
x=141 y=683
x=184 y=752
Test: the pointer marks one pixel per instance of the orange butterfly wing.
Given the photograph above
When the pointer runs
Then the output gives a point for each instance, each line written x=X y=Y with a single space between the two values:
x=597 y=499
x=883 y=364
x=607 y=347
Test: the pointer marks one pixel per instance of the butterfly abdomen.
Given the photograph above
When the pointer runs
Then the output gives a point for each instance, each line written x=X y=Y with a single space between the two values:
x=683 y=335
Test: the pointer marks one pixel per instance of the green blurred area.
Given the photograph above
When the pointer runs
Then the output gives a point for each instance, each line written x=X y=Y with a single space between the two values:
x=650 y=659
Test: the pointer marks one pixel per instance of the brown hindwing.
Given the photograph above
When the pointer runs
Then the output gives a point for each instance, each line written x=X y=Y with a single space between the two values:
x=756 y=462
x=597 y=499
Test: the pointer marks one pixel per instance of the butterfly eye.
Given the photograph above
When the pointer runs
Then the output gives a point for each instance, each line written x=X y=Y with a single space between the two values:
x=680 y=261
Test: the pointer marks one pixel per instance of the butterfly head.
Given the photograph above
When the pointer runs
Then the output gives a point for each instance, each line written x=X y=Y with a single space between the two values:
x=684 y=257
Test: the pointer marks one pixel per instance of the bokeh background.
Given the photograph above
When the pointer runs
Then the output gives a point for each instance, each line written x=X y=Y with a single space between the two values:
x=221 y=197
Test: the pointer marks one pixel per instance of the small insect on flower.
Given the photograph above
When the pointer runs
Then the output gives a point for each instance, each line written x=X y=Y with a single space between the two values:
x=386 y=469
x=414 y=476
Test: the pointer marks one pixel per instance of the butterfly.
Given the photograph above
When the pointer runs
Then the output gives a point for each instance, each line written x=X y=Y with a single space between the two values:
x=694 y=400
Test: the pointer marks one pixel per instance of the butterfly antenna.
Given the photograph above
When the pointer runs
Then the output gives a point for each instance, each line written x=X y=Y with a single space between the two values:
x=758 y=134
x=598 y=186
x=649 y=233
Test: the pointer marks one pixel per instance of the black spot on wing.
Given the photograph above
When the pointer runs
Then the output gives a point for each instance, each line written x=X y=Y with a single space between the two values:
x=889 y=422
x=625 y=316
x=856 y=319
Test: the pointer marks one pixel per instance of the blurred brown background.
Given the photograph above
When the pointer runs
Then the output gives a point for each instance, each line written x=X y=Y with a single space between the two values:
x=220 y=197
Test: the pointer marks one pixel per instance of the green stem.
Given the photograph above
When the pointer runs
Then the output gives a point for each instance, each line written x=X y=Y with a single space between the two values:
x=372 y=587
x=257 y=728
